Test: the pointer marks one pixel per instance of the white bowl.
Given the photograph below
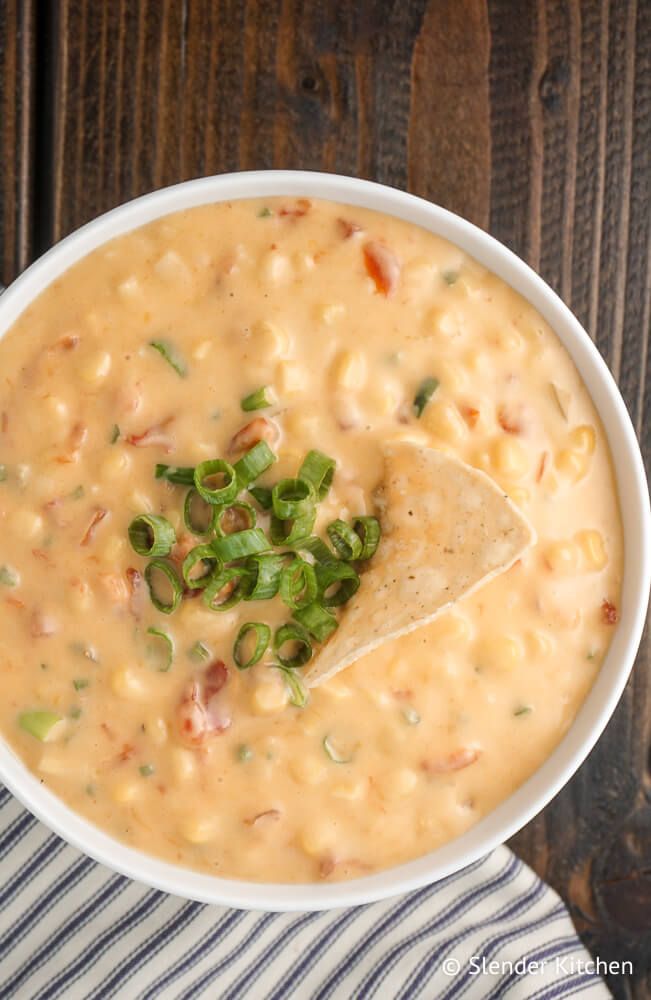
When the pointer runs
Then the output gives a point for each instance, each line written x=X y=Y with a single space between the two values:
x=535 y=793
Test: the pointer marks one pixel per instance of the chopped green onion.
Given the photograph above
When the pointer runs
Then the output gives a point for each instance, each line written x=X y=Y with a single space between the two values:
x=425 y=392
x=227 y=588
x=523 y=710
x=38 y=724
x=258 y=400
x=292 y=498
x=168 y=643
x=317 y=549
x=182 y=475
x=216 y=468
x=192 y=515
x=319 y=622
x=199 y=652
x=265 y=571
x=77 y=493
x=262 y=637
x=289 y=532
x=75 y=712
x=244 y=753
x=298 y=585
x=265 y=213
x=241 y=544
x=262 y=496
x=163 y=569
x=168 y=351
x=450 y=277
x=411 y=716
x=318 y=469
x=80 y=683
x=147 y=770
x=115 y=434
x=346 y=541
x=151 y=535
x=297 y=635
x=297 y=693
x=257 y=460
x=8 y=577
x=226 y=518
x=199 y=554
x=368 y=530
x=328 y=575
x=334 y=754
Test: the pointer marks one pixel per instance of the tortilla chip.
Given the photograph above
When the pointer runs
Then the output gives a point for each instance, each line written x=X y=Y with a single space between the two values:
x=447 y=529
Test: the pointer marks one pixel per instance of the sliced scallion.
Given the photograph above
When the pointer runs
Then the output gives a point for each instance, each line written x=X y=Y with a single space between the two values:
x=8 y=577
x=244 y=753
x=168 y=647
x=80 y=683
x=226 y=589
x=199 y=652
x=199 y=554
x=151 y=535
x=337 y=583
x=319 y=622
x=182 y=475
x=241 y=544
x=262 y=634
x=159 y=574
x=346 y=541
x=262 y=496
x=39 y=724
x=297 y=692
x=290 y=532
x=296 y=636
x=147 y=770
x=368 y=530
x=293 y=498
x=168 y=351
x=298 y=586
x=197 y=514
x=115 y=434
x=225 y=478
x=233 y=517
x=522 y=710
x=426 y=390
x=317 y=549
x=265 y=571
x=256 y=461
x=319 y=469
x=258 y=400
x=335 y=755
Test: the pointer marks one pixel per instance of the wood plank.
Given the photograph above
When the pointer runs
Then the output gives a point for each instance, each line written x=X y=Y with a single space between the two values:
x=17 y=42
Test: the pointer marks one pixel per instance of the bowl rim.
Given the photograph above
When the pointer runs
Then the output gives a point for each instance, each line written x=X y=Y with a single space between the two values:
x=537 y=791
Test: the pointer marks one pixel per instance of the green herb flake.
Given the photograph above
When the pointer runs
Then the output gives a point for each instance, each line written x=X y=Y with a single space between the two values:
x=114 y=435
x=91 y=791
x=168 y=351
x=523 y=710
x=450 y=277
x=80 y=683
x=426 y=390
x=147 y=770
x=4 y=473
x=265 y=212
x=244 y=753
x=75 y=712
x=78 y=493
x=592 y=654
x=8 y=577
x=199 y=653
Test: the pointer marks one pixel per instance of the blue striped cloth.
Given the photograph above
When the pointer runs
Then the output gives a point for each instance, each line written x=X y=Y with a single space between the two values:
x=71 y=928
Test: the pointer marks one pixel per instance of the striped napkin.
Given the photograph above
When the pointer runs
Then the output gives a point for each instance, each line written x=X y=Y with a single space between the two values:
x=71 y=928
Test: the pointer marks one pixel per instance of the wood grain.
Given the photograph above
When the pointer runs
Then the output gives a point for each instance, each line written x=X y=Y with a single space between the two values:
x=532 y=119
x=17 y=44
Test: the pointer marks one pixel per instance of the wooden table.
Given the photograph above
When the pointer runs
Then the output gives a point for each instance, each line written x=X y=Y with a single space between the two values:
x=532 y=119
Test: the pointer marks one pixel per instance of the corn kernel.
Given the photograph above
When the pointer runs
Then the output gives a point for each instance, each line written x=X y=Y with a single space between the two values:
x=336 y=689
x=502 y=652
x=129 y=289
x=113 y=548
x=115 y=464
x=399 y=782
x=170 y=267
x=349 y=791
x=202 y=350
x=57 y=408
x=452 y=375
x=442 y=419
x=125 y=791
x=451 y=627
x=510 y=457
x=331 y=313
x=270 y=696
x=270 y=341
x=26 y=523
x=199 y=829
x=276 y=267
x=308 y=770
x=139 y=502
x=562 y=558
x=583 y=439
x=96 y=367
x=316 y=839
x=412 y=436
x=55 y=763
x=572 y=464
x=81 y=595
x=290 y=378
x=156 y=730
x=509 y=340
x=593 y=549
x=350 y=371
x=540 y=643
x=126 y=683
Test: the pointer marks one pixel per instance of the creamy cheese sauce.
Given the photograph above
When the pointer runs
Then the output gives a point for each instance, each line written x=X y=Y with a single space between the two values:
x=343 y=312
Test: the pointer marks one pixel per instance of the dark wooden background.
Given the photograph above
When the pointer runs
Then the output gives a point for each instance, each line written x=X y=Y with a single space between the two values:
x=532 y=119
